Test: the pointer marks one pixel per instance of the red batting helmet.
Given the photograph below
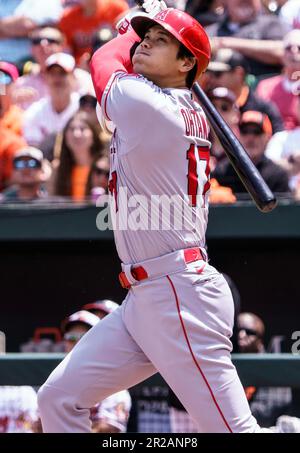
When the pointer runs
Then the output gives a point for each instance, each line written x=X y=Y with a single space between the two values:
x=183 y=27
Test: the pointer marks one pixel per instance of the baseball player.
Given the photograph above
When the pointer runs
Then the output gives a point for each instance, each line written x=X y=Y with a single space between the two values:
x=178 y=315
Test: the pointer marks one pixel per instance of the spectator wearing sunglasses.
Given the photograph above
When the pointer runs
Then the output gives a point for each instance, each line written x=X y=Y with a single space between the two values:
x=255 y=131
x=30 y=173
x=18 y=18
x=230 y=69
x=266 y=403
x=110 y=415
x=97 y=182
x=33 y=86
x=283 y=89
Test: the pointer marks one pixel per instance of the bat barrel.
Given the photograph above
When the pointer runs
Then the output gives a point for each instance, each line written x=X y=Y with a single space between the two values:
x=243 y=165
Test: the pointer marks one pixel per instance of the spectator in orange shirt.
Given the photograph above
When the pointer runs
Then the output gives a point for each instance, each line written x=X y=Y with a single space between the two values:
x=81 y=144
x=10 y=143
x=10 y=123
x=10 y=114
x=79 y=22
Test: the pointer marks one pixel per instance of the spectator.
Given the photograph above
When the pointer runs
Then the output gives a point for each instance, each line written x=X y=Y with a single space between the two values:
x=225 y=102
x=101 y=308
x=30 y=172
x=59 y=106
x=290 y=13
x=33 y=86
x=10 y=123
x=87 y=103
x=283 y=89
x=110 y=415
x=256 y=35
x=97 y=182
x=284 y=150
x=266 y=403
x=11 y=116
x=79 y=22
x=99 y=38
x=206 y=12
x=17 y=20
x=255 y=132
x=80 y=145
x=18 y=409
x=230 y=69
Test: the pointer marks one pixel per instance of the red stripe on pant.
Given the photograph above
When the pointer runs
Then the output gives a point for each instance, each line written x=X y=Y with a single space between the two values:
x=194 y=358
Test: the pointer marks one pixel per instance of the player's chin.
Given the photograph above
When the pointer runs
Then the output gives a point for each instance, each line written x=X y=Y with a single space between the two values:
x=139 y=67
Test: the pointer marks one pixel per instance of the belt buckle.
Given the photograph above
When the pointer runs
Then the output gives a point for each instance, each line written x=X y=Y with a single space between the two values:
x=125 y=283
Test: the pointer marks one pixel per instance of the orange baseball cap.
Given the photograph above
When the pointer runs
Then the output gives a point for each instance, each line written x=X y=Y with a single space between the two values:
x=258 y=118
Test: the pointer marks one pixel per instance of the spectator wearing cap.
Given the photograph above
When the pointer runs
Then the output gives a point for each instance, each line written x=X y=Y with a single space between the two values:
x=206 y=12
x=266 y=403
x=17 y=20
x=33 y=86
x=30 y=172
x=49 y=115
x=283 y=90
x=79 y=22
x=256 y=35
x=284 y=150
x=101 y=308
x=230 y=69
x=80 y=146
x=255 y=132
x=10 y=123
x=110 y=415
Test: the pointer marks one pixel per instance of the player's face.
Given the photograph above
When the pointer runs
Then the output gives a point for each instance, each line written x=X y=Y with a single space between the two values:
x=156 y=59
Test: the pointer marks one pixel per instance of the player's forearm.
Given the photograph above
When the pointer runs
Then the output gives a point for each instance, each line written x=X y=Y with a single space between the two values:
x=16 y=27
x=113 y=56
x=270 y=52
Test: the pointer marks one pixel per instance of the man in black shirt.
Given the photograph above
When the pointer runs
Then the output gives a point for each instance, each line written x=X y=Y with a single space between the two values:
x=255 y=131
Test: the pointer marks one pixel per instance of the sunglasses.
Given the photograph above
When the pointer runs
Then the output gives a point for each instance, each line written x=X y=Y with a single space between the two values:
x=37 y=41
x=100 y=171
x=30 y=163
x=248 y=331
x=225 y=107
x=292 y=47
x=88 y=103
x=245 y=131
x=73 y=336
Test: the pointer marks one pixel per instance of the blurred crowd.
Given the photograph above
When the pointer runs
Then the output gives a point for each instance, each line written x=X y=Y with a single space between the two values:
x=52 y=147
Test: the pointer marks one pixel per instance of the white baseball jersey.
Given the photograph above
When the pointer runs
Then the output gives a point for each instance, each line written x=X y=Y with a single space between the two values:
x=159 y=149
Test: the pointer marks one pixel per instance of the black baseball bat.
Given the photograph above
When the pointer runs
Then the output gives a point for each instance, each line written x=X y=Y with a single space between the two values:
x=240 y=160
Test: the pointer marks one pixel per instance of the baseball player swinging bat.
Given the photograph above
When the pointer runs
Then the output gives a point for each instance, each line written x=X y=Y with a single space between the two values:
x=240 y=160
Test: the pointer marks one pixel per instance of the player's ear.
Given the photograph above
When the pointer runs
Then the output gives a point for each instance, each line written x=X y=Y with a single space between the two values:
x=187 y=63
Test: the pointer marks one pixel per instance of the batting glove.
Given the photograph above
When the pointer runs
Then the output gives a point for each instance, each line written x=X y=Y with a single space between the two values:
x=153 y=7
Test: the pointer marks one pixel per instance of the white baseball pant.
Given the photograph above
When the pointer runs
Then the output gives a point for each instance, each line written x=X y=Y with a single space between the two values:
x=178 y=322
